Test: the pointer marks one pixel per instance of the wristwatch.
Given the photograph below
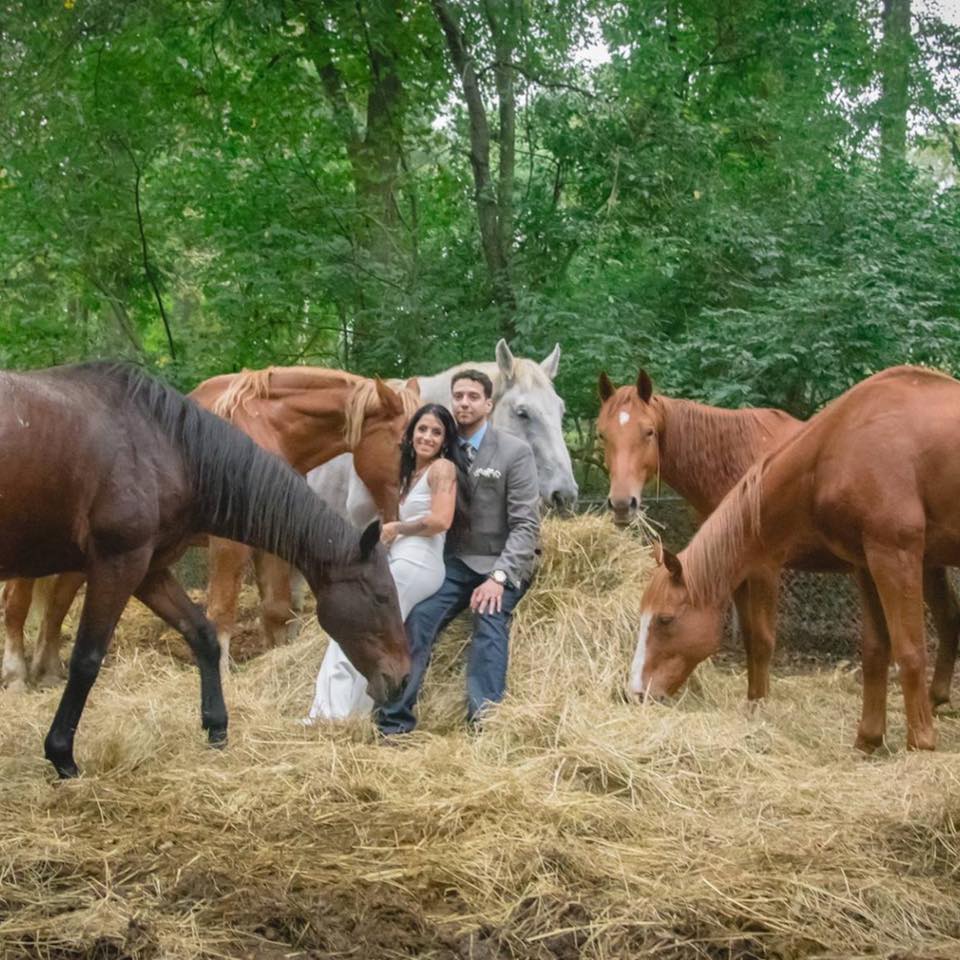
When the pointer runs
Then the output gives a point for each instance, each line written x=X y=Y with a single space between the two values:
x=498 y=576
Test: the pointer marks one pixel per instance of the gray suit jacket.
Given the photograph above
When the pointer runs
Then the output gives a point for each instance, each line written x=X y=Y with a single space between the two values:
x=504 y=509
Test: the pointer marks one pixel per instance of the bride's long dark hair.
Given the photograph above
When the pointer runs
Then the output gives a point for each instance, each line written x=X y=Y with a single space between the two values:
x=450 y=449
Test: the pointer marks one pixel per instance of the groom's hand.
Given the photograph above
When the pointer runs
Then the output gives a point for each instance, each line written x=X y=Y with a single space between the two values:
x=487 y=598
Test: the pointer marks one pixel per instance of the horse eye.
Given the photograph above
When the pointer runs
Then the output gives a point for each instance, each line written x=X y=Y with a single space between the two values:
x=664 y=619
x=381 y=598
x=522 y=413
x=650 y=433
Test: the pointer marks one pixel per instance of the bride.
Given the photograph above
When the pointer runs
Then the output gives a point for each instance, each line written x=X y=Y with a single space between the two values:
x=433 y=491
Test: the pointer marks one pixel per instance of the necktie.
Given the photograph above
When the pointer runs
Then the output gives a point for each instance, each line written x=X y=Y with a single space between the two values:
x=469 y=450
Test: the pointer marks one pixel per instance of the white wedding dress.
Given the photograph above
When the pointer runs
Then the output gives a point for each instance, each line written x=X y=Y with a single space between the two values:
x=418 y=571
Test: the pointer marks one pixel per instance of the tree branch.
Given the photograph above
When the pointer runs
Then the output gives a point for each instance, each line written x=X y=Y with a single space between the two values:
x=147 y=266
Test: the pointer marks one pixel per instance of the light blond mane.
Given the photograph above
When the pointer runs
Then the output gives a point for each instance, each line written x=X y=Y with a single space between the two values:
x=247 y=386
x=364 y=401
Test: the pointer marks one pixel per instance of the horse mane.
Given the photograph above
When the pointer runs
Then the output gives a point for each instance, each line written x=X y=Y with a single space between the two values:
x=241 y=492
x=364 y=400
x=247 y=386
x=713 y=557
x=719 y=446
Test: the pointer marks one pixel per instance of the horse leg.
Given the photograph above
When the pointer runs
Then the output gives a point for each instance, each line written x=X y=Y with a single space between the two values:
x=898 y=575
x=946 y=617
x=110 y=583
x=167 y=599
x=756 y=600
x=875 y=656
x=276 y=600
x=17 y=595
x=56 y=595
x=227 y=561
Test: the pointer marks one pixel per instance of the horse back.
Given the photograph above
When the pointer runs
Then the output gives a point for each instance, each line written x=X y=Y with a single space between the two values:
x=883 y=465
x=74 y=469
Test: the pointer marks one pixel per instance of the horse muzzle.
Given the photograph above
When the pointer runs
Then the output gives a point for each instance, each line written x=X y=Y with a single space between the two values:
x=640 y=697
x=384 y=688
x=624 y=509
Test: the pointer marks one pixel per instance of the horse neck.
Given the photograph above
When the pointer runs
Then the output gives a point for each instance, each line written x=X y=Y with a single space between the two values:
x=304 y=422
x=258 y=501
x=234 y=488
x=705 y=450
x=753 y=527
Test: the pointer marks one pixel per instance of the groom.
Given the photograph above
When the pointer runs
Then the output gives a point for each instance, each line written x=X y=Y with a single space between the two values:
x=488 y=567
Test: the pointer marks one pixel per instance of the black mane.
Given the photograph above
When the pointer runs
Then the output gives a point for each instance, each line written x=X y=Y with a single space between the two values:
x=241 y=491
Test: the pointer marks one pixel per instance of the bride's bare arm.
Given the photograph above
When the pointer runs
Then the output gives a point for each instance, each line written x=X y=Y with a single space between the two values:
x=442 y=481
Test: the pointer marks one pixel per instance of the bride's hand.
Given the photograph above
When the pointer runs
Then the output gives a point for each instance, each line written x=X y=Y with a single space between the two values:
x=389 y=532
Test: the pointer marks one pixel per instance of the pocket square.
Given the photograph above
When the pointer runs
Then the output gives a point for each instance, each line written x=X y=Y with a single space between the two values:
x=488 y=472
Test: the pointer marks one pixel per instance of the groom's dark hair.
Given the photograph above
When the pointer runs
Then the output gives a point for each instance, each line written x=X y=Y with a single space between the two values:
x=478 y=376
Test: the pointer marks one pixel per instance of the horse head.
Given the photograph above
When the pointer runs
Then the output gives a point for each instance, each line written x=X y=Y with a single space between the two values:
x=527 y=405
x=676 y=633
x=629 y=425
x=376 y=448
x=357 y=605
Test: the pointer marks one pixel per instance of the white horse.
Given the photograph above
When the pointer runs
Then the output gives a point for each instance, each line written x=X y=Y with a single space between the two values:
x=525 y=404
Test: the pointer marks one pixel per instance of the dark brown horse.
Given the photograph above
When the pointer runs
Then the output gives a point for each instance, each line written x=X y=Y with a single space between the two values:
x=872 y=480
x=305 y=415
x=701 y=452
x=109 y=472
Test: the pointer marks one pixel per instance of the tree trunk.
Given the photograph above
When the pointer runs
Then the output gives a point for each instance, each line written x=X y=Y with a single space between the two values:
x=494 y=205
x=374 y=154
x=895 y=79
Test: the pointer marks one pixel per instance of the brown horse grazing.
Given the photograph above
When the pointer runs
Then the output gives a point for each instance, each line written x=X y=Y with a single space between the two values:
x=701 y=452
x=109 y=472
x=305 y=415
x=873 y=480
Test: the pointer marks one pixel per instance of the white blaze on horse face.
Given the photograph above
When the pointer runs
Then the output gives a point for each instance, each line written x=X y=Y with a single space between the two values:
x=636 y=668
x=624 y=418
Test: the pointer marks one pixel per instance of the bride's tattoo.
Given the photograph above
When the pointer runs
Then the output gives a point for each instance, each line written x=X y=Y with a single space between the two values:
x=411 y=528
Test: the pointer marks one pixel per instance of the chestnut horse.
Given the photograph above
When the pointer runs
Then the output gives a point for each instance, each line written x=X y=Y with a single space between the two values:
x=305 y=415
x=874 y=481
x=109 y=472
x=701 y=452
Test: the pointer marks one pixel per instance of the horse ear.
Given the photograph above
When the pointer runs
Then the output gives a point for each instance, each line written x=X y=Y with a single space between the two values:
x=605 y=386
x=644 y=386
x=413 y=385
x=672 y=563
x=390 y=399
x=369 y=539
x=505 y=360
x=552 y=363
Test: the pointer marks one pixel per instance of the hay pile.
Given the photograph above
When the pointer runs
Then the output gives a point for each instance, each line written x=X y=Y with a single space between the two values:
x=574 y=825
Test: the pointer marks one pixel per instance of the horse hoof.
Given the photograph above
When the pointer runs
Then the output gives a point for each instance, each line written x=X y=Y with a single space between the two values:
x=66 y=771
x=868 y=743
x=217 y=737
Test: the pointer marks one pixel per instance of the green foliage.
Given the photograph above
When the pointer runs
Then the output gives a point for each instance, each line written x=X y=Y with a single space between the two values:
x=707 y=202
